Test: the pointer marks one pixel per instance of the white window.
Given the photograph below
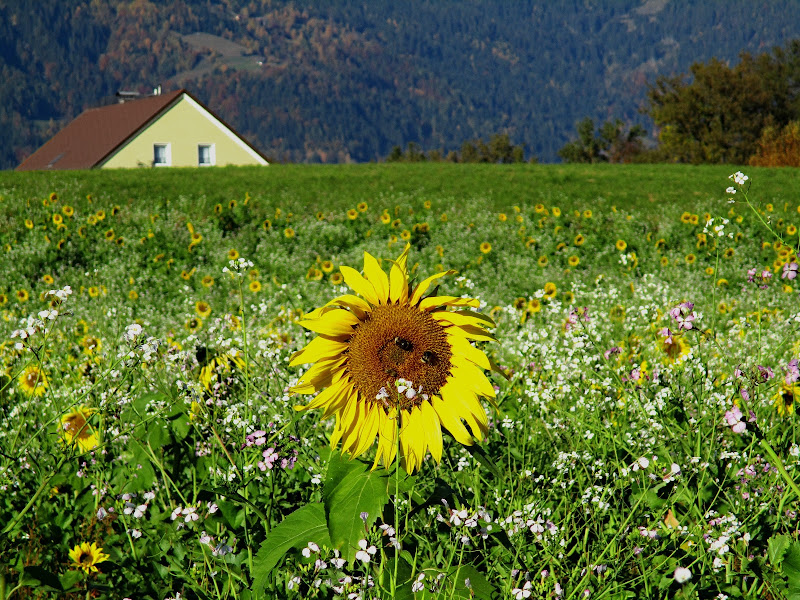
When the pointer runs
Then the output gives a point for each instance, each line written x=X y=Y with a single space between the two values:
x=206 y=156
x=162 y=155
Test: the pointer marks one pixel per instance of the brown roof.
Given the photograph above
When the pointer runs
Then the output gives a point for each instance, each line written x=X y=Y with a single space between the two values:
x=96 y=133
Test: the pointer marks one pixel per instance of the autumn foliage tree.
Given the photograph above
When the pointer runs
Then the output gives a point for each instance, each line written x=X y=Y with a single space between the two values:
x=718 y=114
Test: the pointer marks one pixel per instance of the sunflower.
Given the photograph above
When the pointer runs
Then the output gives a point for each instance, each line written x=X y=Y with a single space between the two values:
x=194 y=324
x=327 y=266
x=709 y=270
x=550 y=290
x=223 y=364
x=202 y=308
x=85 y=556
x=288 y=233
x=75 y=429
x=502 y=217
x=674 y=349
x=621 y=245
x=587 y=214
x=33 y=381
x=28 y=224
x=267 y=224
x=579 y=239
x=233 y=254
x=395 y=357
x=352 y=214
x=48 y=279
x=486 y=247
x=534 y=306
x=556 y=211
x=207 y=281
x=362 y=207
x=405 y=235
x=791 y=230
x=336 y=279
x=573 y=261
x=542 y=261
x=23 y=295
x=785 y=397
x=91 y=345
x=254 y=286
x=690 y=258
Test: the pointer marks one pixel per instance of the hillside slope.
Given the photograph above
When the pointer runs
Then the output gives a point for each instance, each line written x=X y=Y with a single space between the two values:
x=342 y=81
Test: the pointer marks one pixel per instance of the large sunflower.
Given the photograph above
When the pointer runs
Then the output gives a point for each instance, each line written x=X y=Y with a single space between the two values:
x=394 y=362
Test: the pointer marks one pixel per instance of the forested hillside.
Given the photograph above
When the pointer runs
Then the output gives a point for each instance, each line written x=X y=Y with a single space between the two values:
x=343 y=81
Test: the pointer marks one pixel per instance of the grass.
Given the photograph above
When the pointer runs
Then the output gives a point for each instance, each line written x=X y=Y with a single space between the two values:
x=619 y=456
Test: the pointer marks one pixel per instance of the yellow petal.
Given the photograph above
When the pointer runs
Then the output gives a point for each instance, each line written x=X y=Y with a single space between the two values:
x=432 y=302
x=451 y=421
x=433 y=430
x=349 y=301
x=320 y=347
x=353 y=429
x=338 y=402
x=423 y=287
x=376 y=276
x=338 y=322
x=461 y=318
x=359 y=285
x=468 y=376
x=462 y=347
x=327 y=395
x=471 y=332
x=398 y=275
x=465 y=405
x=369 y=427
x=409 y=439
x=318 y=376
x=387 y=438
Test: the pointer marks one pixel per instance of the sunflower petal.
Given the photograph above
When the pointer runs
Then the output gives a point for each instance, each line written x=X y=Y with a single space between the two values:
x=334 y=323
x=432 y=302
x=376 y=276
x=463 y=399
x=471 y=332
x=387 y=437
x=318 y=348
x=368 y=427
x=462 y=347
x=398 y=276
x=471 y=377
x=318 y=376
x=433 y=430
x=426 y=283
x=451 y=420
x=460 y=318
x=359 y=285
x=325 y=396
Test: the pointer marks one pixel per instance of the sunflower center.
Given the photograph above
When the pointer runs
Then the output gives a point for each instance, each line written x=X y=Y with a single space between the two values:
x=398 y=342
x=85 y=559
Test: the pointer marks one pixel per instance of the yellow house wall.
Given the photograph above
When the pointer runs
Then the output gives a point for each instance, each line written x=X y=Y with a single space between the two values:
x=183 y=127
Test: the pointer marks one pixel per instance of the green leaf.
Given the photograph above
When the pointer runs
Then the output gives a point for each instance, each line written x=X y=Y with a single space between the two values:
x=37 y=577
x=791 y=568
x=479 y=453
x=479 y=586
x=351 y=489
x=306 y=524
x=777 y=546
x=70 y=579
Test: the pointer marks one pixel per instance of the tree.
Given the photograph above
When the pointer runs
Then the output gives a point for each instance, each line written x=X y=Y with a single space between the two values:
x=719 y=116
x=611 y=143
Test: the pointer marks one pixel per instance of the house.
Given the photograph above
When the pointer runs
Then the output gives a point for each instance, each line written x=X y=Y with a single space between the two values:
x=162 y=130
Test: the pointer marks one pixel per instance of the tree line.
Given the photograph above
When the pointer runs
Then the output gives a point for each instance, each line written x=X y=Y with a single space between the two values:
x=746 y=113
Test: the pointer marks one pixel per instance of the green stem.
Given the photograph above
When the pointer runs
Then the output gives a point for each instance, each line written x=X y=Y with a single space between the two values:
x=34 y=498
x=778 y=464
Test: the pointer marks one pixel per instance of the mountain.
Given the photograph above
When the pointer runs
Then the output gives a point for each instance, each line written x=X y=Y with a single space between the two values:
x=346 y=81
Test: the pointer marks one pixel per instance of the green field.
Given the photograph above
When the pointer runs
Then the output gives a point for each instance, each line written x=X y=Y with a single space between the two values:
x=637 y=446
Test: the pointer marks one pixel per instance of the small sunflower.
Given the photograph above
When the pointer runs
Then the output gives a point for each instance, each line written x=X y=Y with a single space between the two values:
x=573 y=261
x=336 y=279
x=587 y=214
x=22 y=295
x=386 y=218
x=267 y=224
x=288 y=233
x=327 y=266
x=254 y=286
x=75 y=429
x=542 y=261
x=33 y=381
x=48 y=279
x=785 y=397
x=690 y=259
x=207 y=281
x=674 y=348
x=233 y=254
x=534 y=306
x=486 y=247
x=621 y=245
x=352 y=214
x=362 y=207
x=396 y=364
x=194 y=324
x=86 y=556
x=579 y=240
x=550 y=290
x=28 y=224
x=202 y=308
x=556 y=211
x=91 y=345
x=502 y=217
x=109 y=235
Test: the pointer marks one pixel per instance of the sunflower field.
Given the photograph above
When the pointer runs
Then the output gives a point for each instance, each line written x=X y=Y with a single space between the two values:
x=400 y=381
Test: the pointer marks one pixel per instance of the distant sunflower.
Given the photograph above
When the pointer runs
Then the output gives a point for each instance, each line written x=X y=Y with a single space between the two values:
x=393 y=357
x=75 y=429
x=86 y=556
x=621 y=245
x=254 y=286
x=486 y=247
x=33 y=381
x=233 y=254
x=202 y=308
x=784 y=399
